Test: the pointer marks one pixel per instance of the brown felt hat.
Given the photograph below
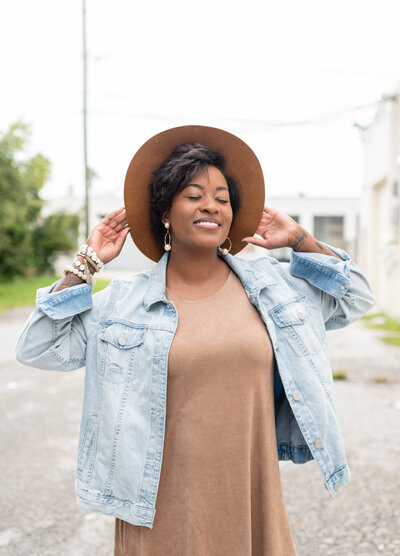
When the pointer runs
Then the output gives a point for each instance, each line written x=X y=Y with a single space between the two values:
x=240 y=163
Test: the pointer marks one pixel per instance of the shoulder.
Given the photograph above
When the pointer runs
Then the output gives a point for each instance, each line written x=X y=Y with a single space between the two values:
x=134 y=283
x=264 y=264
x=270 y=270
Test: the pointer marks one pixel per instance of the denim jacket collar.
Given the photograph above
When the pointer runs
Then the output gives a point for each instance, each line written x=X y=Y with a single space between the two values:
x=251 y=277
x=156 y=287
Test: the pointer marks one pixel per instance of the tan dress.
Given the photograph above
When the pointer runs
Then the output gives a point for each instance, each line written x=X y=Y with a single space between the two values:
x=220 y=491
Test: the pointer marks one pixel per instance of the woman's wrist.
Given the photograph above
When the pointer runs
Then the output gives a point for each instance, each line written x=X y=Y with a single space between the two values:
x=299 y=239
x=82 y=260
x=306 y=243
x=67 y=281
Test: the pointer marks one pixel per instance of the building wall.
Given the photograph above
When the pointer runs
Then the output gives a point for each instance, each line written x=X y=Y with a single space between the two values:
x=380 y=207
x=307 y=208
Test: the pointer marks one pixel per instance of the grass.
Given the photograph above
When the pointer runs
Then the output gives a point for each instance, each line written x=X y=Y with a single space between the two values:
x=388 y=323
x=380 y=379
x=385 y=323
x=339 y=375
x=391 y=340
x=372 y=316
x=22 y=291
x=391 y=325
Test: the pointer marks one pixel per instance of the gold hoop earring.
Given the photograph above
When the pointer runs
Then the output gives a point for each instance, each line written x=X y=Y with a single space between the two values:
x=167 y=238
x=224 y=250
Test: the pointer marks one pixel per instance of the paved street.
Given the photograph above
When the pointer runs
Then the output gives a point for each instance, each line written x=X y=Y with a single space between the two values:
x=39 y=430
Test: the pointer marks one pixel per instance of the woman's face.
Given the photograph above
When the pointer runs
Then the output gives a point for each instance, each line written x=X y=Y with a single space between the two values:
x=201 y=213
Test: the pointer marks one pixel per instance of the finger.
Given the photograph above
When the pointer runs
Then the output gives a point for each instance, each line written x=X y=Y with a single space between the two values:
x=120 y=225
x=255 y=241
x=113 y=215
x=122 y=236
x=117 y=225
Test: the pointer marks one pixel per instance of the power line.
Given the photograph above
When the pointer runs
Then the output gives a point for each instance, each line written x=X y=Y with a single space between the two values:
x=246 y=63
x=260 y=124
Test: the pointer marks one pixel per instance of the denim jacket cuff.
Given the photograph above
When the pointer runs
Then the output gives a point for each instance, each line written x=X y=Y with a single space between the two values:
x=65 y=303
x=325 y=272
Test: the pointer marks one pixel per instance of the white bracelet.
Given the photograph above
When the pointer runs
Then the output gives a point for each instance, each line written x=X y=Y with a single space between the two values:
x=89 y=252
x=81 y=269
x=86 y=276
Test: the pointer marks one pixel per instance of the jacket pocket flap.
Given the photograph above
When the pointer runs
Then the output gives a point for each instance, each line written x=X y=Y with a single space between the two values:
x=123 y=337
x=294 y=312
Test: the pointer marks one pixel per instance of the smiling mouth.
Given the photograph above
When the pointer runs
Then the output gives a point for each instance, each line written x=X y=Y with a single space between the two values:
x=207 y=225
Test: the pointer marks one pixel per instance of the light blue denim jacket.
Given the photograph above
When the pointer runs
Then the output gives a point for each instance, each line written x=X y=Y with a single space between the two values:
x=123 y=335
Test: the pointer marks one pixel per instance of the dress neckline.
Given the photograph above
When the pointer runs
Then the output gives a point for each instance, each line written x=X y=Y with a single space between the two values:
x=172 y=295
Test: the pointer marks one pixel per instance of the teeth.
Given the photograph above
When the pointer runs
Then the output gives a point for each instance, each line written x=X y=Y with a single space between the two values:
x=207 y=224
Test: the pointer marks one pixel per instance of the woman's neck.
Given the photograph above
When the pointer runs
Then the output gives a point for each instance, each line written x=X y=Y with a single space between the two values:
x=195 y=269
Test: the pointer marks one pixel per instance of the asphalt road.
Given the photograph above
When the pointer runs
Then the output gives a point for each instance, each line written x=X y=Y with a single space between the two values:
x=39 y=431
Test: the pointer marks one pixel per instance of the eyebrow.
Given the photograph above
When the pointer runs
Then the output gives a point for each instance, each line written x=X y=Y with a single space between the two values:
x=202 y=186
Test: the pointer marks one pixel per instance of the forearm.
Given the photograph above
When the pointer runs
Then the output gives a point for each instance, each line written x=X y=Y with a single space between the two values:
x=306 y=243
x=70 y=279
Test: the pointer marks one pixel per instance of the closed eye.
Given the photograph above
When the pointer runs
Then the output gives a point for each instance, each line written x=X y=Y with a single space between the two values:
x=195 y=198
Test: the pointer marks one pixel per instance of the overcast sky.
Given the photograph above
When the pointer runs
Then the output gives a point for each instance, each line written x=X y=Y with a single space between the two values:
x=273 y=73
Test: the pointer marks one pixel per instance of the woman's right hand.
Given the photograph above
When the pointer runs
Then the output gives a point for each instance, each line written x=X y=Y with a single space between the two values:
x=108 y=236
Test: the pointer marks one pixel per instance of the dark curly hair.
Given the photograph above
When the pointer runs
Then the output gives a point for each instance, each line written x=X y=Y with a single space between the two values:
x=175 y=172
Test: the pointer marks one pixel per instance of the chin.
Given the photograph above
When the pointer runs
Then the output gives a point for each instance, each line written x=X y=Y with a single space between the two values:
x=210 y=246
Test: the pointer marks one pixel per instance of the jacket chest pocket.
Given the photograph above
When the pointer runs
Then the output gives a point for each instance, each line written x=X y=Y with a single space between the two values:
x=119 y=344
x=299 y=327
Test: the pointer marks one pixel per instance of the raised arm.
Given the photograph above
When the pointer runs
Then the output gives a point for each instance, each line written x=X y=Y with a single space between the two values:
x=66 y=314
x=278 y=229
x=326 y=274
x=106 y=239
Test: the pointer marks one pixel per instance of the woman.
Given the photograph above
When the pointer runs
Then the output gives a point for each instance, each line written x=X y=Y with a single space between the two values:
x=242 y=343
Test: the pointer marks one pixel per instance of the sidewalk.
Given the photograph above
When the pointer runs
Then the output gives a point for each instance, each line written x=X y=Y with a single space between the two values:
x=39 y=430
x=364 y=518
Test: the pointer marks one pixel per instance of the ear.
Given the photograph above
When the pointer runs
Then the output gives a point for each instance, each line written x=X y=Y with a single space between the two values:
x=165 y=217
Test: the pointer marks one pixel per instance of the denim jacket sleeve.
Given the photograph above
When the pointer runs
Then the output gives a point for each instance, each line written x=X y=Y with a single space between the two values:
x=55 y=335
x=339 y=286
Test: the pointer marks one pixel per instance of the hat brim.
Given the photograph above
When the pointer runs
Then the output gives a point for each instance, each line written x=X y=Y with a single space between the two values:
x=240 y=163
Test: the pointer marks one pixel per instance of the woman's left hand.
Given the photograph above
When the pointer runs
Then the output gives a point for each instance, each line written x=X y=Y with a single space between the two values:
x=277 y=229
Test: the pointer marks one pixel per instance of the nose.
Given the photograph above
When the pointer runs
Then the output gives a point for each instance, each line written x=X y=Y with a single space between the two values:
x=210 y=206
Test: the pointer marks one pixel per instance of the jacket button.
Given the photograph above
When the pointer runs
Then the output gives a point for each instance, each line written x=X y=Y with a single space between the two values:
x=342 y=288
x=122 y=340
x=300 y=314
x=251 y=297
x=318 y=444
x=296 y=396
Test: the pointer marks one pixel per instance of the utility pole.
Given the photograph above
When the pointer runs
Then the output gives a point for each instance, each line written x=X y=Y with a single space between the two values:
x=87 y=178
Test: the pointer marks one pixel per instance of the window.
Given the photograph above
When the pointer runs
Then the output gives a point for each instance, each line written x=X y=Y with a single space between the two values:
x=330 y=229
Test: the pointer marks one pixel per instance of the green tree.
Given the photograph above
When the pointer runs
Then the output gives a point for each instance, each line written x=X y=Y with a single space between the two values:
x=28 y=241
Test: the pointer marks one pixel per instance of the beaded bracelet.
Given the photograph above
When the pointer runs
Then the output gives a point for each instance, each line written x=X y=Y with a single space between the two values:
x=82 y=269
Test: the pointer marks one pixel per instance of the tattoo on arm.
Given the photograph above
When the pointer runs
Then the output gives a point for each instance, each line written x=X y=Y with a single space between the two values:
x=299 y=239
x=320 y=246
x=70 y=279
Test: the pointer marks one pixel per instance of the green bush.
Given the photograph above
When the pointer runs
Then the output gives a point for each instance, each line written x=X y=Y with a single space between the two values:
x=28 y=241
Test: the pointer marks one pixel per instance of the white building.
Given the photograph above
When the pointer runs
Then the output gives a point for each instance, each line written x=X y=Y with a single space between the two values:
x=380 y=209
